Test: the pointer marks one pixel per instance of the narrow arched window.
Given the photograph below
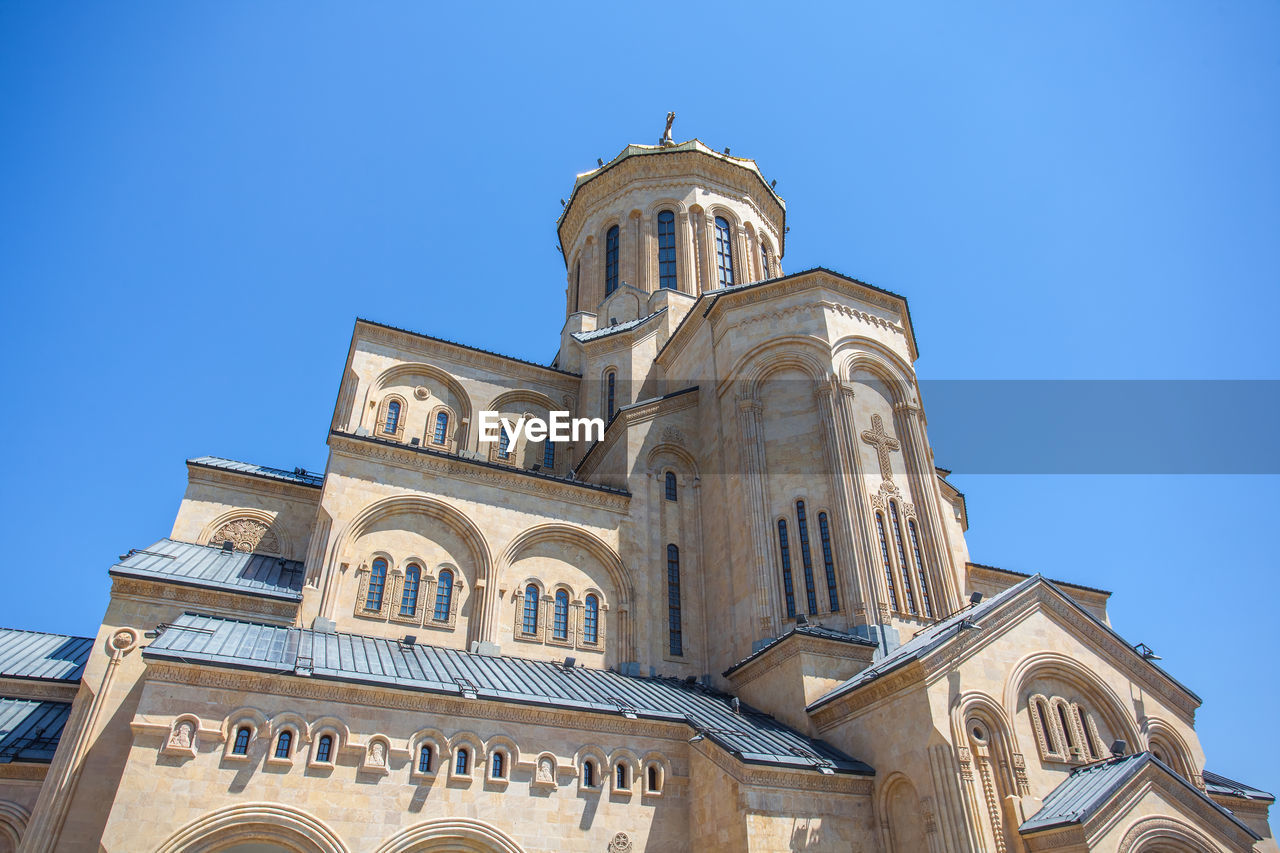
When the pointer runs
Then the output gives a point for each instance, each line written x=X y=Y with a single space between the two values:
x=530 y=625
x=621 y=778
x=1067 y=731
x=548 y=455
x=560 y=622
x=591 y=620
x=1090 y=746
x=611 y=382
x=611 y=261
x=667 y=250
x=806 y=559
x=324 y=749
x=919 y=558
x=392 y=424
x=1050 y=742
x=577 y=284
x=462 y=765
x=724 y=251
x=377 y=582
x=442 y=428
x=824 y=533
x=504 y=444
x=671 y=486
x=589 y=774
x=444 y=597
x=409 y=598
x=241 y=746
x=888 y=564
x=788 y=589
x=902 y=558
x=284 y=743
x=424 y=758
x=653 y=779
x=764 y=261
x=496 y=769
x=675 y=638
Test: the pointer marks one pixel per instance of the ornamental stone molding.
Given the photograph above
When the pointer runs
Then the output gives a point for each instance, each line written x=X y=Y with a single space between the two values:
x=247 y=535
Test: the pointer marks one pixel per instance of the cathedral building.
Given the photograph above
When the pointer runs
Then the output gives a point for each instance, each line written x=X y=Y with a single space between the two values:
x=738 y=616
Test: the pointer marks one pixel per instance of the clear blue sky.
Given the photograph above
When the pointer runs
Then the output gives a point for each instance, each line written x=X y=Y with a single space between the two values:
x=196 y=200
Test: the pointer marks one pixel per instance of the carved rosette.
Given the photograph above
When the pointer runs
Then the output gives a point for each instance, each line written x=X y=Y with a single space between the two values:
x=620 y=844
x=248 y=535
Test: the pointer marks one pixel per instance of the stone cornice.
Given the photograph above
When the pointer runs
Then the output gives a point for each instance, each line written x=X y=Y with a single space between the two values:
x=834 y=713
x=427 y=346
x=475 y=471
x=216 y=602
x=23 y=771
x=39 y=689
x=788 y=647
x=756 y=776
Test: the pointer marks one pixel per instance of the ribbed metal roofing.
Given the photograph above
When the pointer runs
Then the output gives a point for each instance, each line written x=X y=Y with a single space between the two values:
x=299 y=475
x=751 y=736
x=616 y=328
x=211 y=567
x=34 y=654
x=1091 y=787
x=29 y=729
x=1217 y=784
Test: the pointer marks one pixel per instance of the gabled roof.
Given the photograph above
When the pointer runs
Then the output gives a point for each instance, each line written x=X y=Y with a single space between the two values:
x=606 y=331
x=1215 y=783
x=30 y=729
x=34 y=654
x=299 y=476
x=1091 y=787
x=210 y=567
x=750 y=736
x=818 y=631
x=947 y=629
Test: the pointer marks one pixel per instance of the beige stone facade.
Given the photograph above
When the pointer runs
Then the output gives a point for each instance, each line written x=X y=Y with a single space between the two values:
x=763 y=522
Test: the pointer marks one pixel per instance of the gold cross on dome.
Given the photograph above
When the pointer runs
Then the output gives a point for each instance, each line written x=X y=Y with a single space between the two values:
x=883 y=443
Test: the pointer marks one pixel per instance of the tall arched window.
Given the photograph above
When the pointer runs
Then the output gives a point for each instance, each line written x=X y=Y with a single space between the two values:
x=652 y=779
x=764 y=261
x=560 y=620
x=888 y=564
x=724 y=251
x=241 y=746
x=1067 y=730
x=806 y=559
x=424 y=758
x=588 y=774
x=788 y=589
x=409 y=599
x=504 y=444
x=1090 y=746
x=462 y=765
x=591 y=620
x=611 y=261
x=675 y=635
x=671 y=486
x=377 y=582
x=444 y=596
x=620 y=781
x=324 y=749
x=577 y=285
x=284 y=743
x=392 y=424
x=496 y=768
x=530 y=625
x=824 y=533
x=919 y=558
x=667 y=250
x=907 y=583
x=548 y=455
x=611 y=382
x=442 y=428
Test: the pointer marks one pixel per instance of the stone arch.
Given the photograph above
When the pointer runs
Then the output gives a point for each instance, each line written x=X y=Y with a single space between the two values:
x=451 y=517
x=451 y=835
x=1165 y=835
x=13 y=823
x=522 y=395
x=619 y=576
x=902 y=822
x=388 y=377
x=1176 y=754
x=654 y=461
x=273 y=539
x=274 y=823
x=805 y=353
x=1103 y=700
x=854 y=352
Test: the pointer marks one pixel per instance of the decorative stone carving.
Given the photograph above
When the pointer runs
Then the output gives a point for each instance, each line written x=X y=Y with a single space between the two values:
x=183 y=735
x=672 y=435
x=546 y=771
x=421 y=393
x=378 y=754
x=620 y=844
x=248 y=535
x=883 y=443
